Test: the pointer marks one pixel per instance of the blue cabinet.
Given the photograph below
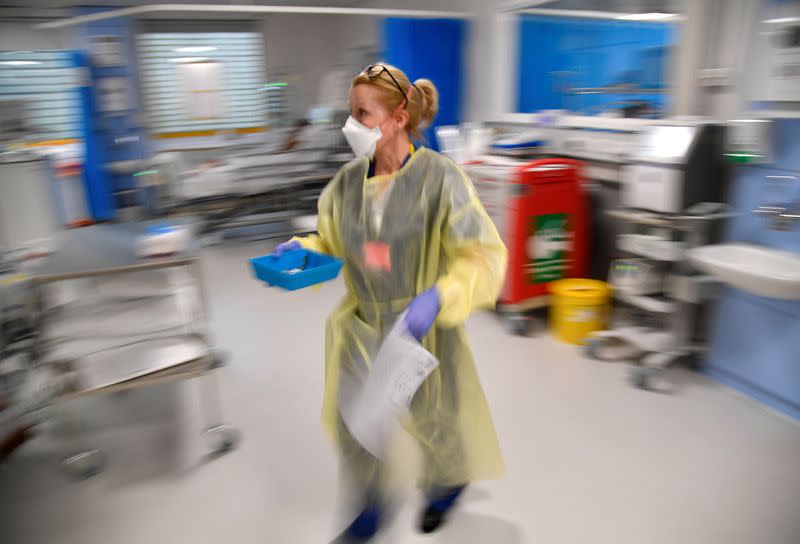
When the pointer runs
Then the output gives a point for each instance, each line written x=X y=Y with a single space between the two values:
x=755 y=341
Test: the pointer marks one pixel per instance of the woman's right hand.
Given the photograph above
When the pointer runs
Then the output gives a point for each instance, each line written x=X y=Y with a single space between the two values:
x=291 y=245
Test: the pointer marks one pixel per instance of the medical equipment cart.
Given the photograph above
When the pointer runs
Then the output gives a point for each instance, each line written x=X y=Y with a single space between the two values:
x=659 y=289
x=135 y=322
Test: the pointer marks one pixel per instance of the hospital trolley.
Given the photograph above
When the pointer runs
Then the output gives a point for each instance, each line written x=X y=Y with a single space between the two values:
x=107 y=321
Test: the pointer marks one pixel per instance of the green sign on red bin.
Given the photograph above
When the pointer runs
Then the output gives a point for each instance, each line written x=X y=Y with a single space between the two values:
x=549 y=247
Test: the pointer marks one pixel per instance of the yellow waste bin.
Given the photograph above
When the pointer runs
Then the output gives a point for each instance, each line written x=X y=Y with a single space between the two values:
x=578 y=308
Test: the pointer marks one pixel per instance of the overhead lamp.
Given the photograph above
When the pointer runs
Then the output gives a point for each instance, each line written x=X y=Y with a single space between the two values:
x=780 y=20
x=196 y=49
x=19 y=62
x=651 y=16
x=184 y=60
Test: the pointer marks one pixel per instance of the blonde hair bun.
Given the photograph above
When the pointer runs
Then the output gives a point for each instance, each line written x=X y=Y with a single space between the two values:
x=430 y=101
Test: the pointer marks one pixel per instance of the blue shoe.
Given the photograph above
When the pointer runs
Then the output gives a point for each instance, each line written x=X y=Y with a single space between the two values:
x=363 y=528
x=436 y=513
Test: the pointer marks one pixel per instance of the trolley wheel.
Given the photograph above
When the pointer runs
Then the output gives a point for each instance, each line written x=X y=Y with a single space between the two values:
x=219 y=357
x=212 y=239
x=591 y=348
x=518 y=324
x=222 y=438
x=641 y=377
x=693 y=361
x=85 y=464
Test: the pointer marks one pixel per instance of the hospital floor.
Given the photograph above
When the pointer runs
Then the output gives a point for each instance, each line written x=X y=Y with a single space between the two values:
x=590 y=459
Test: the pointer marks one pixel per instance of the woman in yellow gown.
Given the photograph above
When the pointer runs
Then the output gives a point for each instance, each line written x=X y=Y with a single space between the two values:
x=413 y=236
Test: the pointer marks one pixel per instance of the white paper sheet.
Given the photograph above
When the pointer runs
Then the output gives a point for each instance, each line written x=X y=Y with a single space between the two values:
x=399 y=369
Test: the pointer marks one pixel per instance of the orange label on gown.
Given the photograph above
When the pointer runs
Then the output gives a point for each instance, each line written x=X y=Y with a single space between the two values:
x=377 y=256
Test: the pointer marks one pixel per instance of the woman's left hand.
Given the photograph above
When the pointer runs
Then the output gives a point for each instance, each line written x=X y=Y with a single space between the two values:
x=291 y=245
x=421 y=313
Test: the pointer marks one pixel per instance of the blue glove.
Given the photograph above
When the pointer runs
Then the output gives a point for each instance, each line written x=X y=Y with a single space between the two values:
x=422 y=312
x=280 y=249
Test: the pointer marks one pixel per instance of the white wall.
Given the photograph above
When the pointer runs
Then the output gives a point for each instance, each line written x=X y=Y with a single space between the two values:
x=361 y=32
x=713 y=36
x=303 y=48
x=20 y=36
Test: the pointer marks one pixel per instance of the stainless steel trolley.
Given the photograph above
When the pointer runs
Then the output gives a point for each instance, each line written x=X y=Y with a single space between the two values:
x=100 y=343
x=666 y=324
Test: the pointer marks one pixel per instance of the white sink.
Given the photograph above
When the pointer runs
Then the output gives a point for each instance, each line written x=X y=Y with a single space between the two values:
x=756 y=269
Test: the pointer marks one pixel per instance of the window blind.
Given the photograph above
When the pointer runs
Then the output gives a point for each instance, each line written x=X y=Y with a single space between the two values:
x=45 y=82
x=240 y=57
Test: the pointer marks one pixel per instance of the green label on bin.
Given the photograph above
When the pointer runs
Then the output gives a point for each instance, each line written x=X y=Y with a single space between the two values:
x=548 y=248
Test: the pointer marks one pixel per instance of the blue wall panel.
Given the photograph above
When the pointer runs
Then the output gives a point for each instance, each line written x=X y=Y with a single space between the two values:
x=541 y=59
x=755 y=341
x=754 y=348
x=560 y=52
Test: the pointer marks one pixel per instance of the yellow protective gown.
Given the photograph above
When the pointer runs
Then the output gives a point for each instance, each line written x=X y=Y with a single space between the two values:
x=433 y=231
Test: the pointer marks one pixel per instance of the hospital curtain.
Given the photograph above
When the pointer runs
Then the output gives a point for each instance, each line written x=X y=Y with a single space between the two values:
x=432 y=49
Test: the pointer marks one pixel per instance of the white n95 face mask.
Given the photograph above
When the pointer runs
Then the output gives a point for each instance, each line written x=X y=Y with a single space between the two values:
x=362 y=139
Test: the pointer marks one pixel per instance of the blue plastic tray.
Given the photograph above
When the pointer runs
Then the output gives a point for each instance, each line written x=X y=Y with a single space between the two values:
x=316 y=268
